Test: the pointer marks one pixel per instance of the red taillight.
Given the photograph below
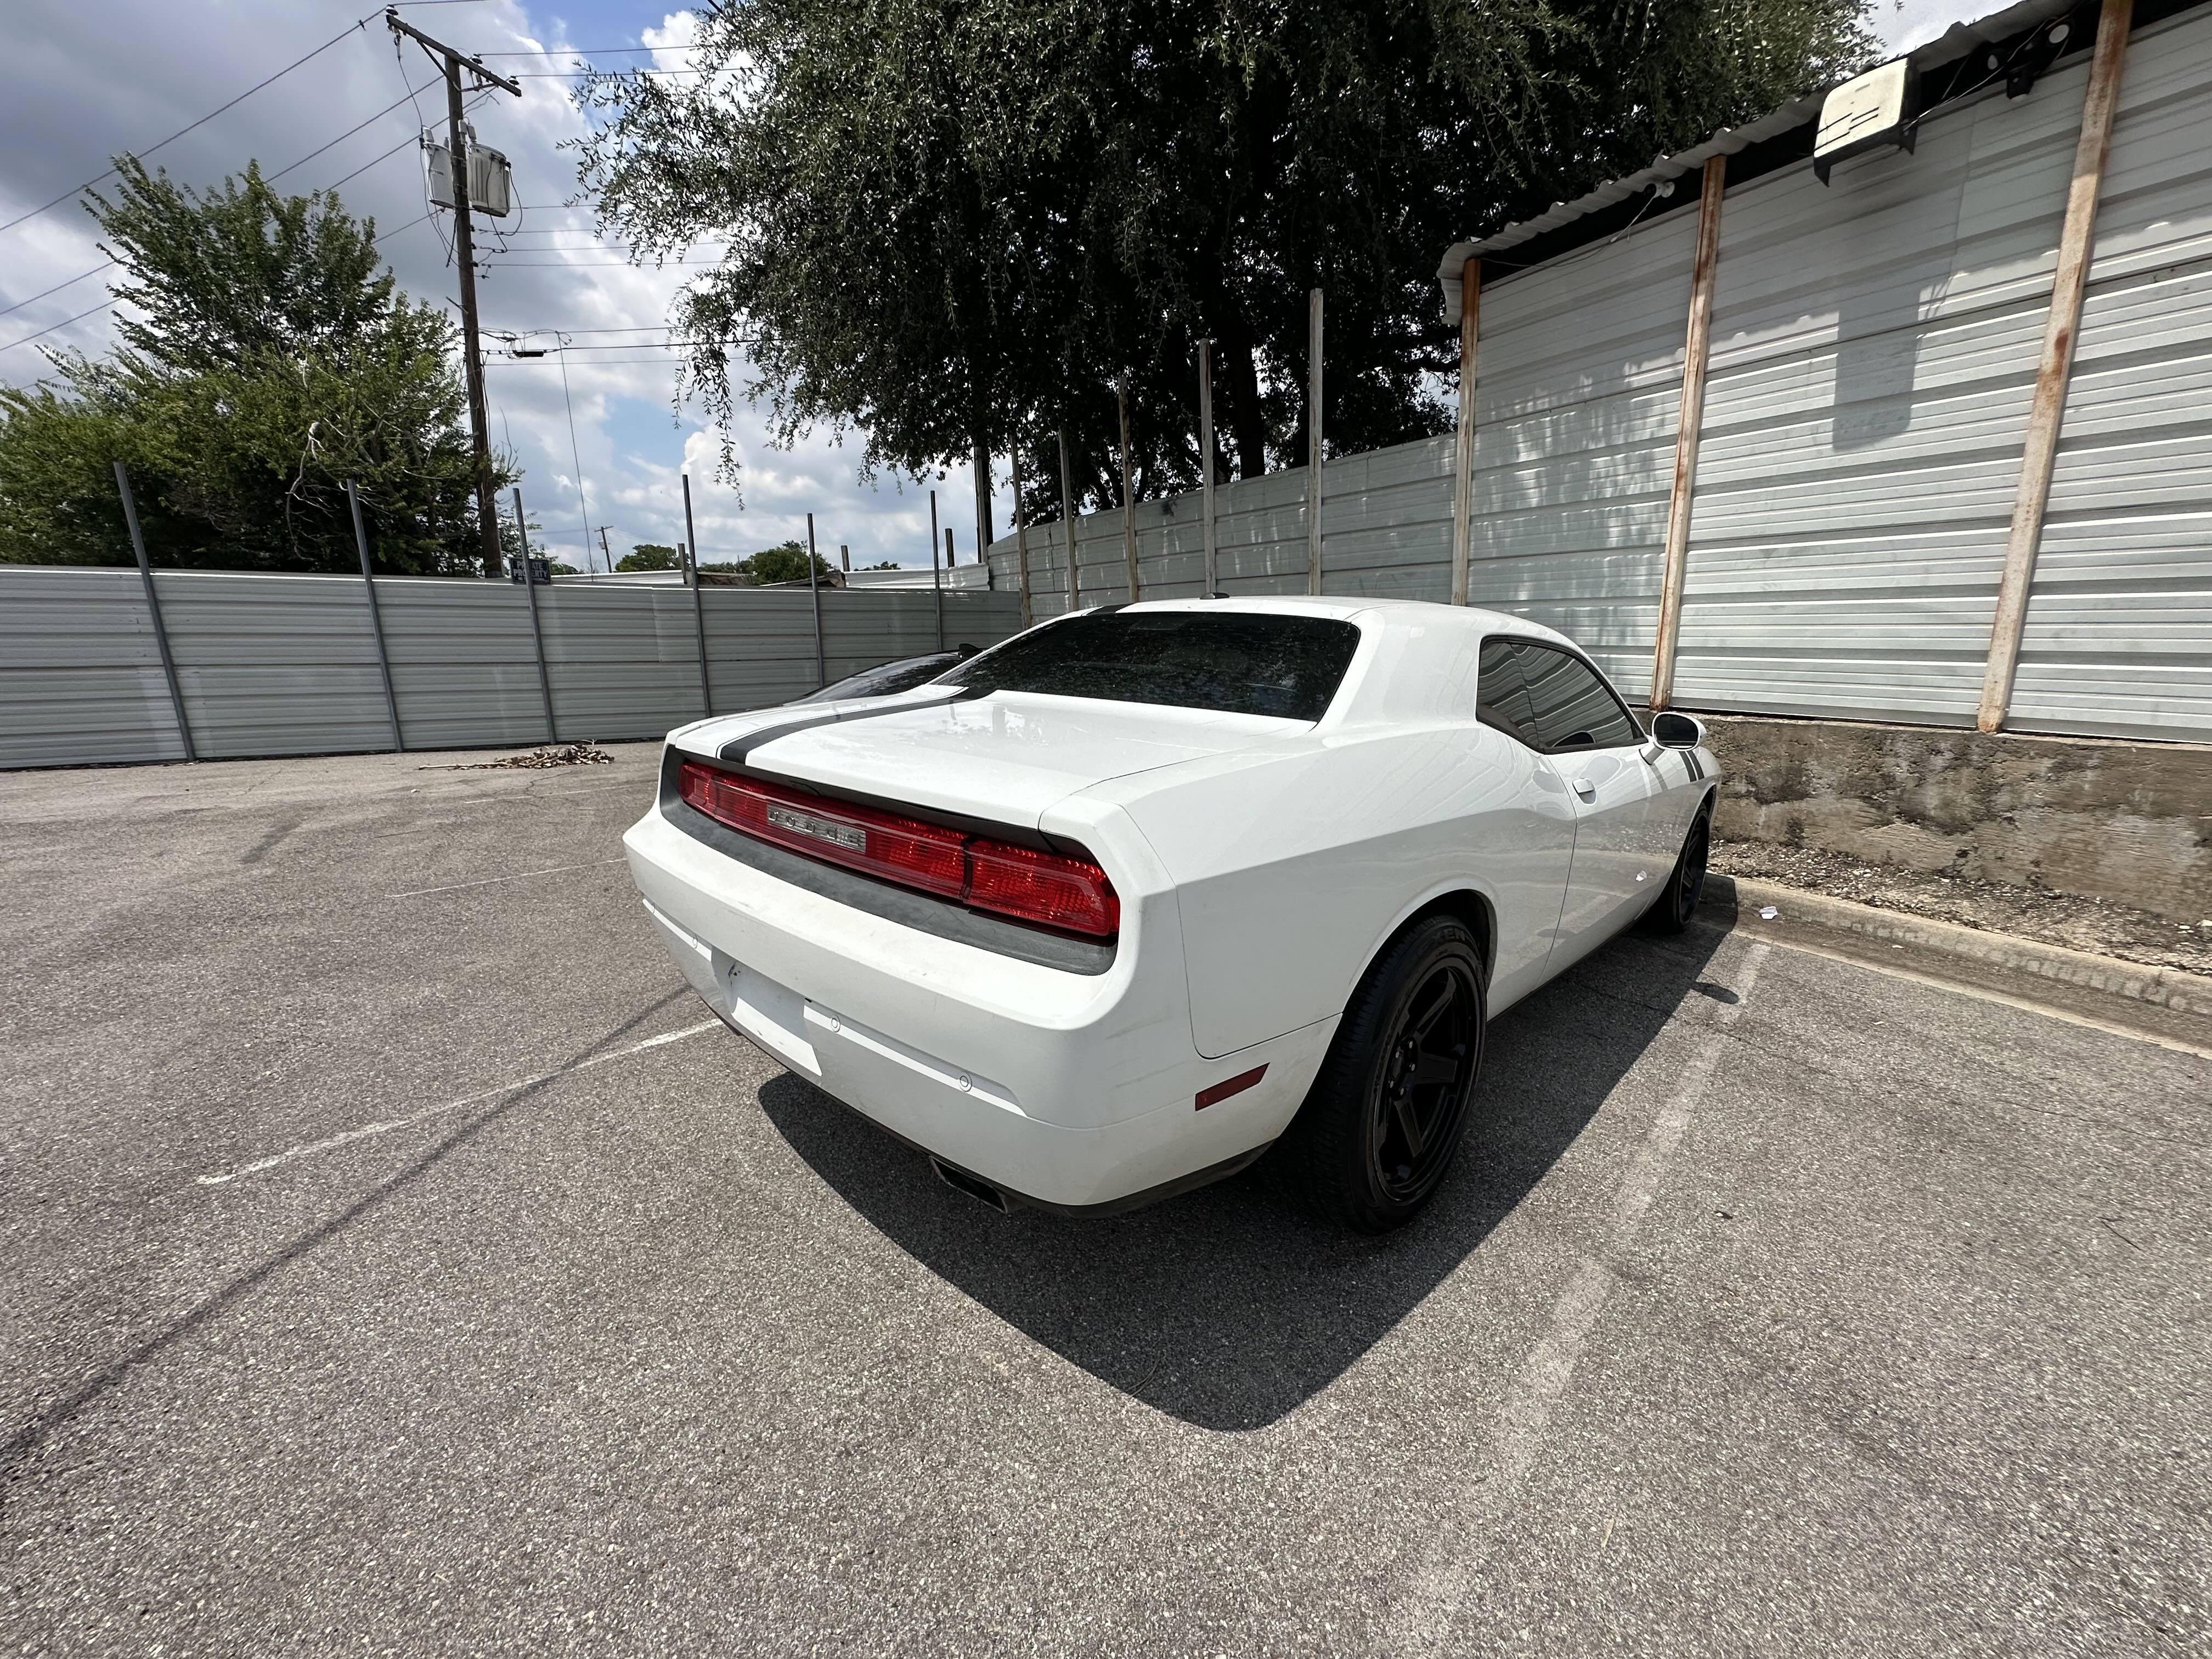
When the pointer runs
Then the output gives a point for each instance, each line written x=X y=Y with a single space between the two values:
x=1046 y=888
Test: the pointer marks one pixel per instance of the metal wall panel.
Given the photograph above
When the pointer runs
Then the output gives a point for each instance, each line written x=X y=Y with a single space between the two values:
x=2118 y=639
x=1578 y=380
x=287 y=665
x=274 y=665
x=81 y=676
x=463 y=666
x=1874 y=346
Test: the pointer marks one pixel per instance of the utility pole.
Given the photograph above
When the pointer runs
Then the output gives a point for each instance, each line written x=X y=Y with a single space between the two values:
x=451 y=63
x=604 y=552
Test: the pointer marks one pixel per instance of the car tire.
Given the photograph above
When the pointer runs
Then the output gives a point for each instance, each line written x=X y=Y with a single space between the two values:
x=1377 y=1132
x=1670 y=913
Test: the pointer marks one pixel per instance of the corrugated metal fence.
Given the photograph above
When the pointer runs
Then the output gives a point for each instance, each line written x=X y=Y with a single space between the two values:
x=288 y=664
x=1874 y=345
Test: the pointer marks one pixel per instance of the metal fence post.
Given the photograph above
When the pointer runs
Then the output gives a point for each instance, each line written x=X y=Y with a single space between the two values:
x=154 y=610
x=814 y=588
x=536 y=630
x=1022 y=535
x=375 y=617
x=1067 y=518
x=936 y=571
x=1211 y=580
x=1129 y=505
x=1313 y=440
x=698 y=605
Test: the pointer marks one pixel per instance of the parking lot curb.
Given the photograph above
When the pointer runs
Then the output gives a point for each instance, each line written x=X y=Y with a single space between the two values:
x=2079 y=980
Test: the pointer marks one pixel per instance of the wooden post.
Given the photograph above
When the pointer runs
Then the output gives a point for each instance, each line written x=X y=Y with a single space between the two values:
x=536 y=628
x=1128 y=505
x=1205 y=461
x=375 y=617
x=154 y=611
x=1067 y=518
x=1021 y=532
x=2052 y=375
x=698 y=605
x=1470 y=299
x=1695 y=350
x=935 y=571
x=1312 y=441
x=814 y=590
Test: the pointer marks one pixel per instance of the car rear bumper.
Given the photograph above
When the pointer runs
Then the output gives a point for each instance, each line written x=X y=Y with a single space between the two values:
x=1066 y=1090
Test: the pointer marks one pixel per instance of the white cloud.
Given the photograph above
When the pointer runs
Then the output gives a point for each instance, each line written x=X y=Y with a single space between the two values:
x=82 y=82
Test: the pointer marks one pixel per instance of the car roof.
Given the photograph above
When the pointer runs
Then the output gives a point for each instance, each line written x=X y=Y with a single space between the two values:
x=1385 y=611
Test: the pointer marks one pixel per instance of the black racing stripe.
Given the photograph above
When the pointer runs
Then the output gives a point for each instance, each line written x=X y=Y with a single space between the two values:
x=739 y=747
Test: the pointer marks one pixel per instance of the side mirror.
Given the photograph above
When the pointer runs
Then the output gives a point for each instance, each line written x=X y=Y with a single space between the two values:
x=1673 y=731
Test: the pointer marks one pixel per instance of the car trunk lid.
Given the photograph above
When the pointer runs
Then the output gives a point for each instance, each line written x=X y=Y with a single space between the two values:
x=1007 y=757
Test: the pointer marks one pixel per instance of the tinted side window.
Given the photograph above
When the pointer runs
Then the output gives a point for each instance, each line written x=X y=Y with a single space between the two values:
x=1573 y=707
x=1501 y=693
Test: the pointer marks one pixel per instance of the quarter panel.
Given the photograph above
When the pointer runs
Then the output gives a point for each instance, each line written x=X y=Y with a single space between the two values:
x=1291 y=868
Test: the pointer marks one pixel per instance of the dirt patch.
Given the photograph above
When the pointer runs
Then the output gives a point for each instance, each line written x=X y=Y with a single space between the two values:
x=568 y=754
x=2081 y=924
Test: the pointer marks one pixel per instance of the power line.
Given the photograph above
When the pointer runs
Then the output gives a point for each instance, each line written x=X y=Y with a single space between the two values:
x=109 y=172
x=70 y=283
x=583 y=51
x=570 y=75
x=408 y=98
x=359 y=23
x=109 y=265
x=109 y=300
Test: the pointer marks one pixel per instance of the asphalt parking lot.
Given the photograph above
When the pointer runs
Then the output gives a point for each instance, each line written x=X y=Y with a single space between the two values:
x=396 y=1265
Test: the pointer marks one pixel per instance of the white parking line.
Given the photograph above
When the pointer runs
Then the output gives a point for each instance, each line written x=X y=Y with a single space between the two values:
x=364 y=1131
x=494 y=881
x=1458 y=1548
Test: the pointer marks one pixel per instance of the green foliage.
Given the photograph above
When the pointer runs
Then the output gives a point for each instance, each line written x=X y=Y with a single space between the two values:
x=649 y=556
x=273 y=362
x=888 y=564
x=784 y=562
x=949 y=220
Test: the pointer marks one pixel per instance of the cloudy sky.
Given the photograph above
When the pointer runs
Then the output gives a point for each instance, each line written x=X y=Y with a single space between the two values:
x=84 y=79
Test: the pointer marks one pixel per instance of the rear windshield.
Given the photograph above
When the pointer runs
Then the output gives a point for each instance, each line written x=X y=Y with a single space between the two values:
x=1240 y=662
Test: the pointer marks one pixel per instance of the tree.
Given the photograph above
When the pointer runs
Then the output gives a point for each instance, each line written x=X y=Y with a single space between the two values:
x=271 y=360
x=649 y=556
x=950 y=222
x=887 y=564
x=784 y=562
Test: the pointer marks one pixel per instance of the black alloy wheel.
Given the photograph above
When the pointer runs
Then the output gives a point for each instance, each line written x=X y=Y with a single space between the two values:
x=1677 y=902
x=1377 y=1134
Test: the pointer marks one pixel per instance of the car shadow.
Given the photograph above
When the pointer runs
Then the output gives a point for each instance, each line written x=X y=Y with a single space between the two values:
x=1230 y=1307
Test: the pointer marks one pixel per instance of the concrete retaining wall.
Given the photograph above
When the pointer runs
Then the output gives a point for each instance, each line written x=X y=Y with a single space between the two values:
x=2129 y=822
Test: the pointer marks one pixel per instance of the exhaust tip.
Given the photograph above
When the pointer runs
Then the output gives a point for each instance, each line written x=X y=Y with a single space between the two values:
x=975 y=1186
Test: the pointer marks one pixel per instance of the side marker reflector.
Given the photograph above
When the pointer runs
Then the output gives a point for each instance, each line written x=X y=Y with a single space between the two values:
x=1235 y=1085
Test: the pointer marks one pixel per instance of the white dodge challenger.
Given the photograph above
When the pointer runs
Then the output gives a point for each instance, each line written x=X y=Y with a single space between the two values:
x=1103 y=913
